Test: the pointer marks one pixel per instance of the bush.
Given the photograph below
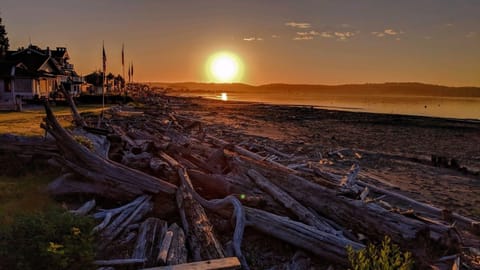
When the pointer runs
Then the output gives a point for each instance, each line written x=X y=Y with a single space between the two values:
x=50 y=240
x=386 y=257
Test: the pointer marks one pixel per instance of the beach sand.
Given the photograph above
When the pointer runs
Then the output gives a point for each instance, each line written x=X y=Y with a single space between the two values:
x=394 y=152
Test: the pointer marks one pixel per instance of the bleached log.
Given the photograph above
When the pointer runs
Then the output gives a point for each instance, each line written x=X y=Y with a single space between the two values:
x=84 y=162
x=119 y=262
x=229 y=263
x=370 y=219
x=150 y=234
x=77 y=118
x=85 y=208
x=203 y=242
x=104 y=223
x=293 y=205
x=424 y=208
x=102 y=213
x=124 y=219
x=184 y=199
x=320 y=243
x=177 y=253
x=68 y=184
x=247 y=153
x=165 y=247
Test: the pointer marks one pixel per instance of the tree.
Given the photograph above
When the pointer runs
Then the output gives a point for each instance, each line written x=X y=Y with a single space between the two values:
x=4 y=44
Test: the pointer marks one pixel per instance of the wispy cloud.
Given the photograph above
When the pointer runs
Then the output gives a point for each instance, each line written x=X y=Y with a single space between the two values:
x=275 y=36
x=449 y=24
x=387 y=32
x=303 y=38
x=252 y=39
x=471 y=34
x=309 y=33
x=301 y=25
x=390 y=32
x=344 y=35
x=327 y=35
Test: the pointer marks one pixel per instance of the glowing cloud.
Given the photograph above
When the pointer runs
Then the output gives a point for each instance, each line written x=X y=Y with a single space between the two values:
x=303 y=38
x=302 y=25
x=252 y=39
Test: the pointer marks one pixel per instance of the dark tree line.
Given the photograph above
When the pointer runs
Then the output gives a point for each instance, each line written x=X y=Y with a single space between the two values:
x=4 y=44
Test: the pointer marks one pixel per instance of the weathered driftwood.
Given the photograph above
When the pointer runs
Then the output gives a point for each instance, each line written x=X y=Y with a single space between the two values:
x=82 y=161
x=187 y=192
x=370 y=219
x=298 y=209
x=422 y=208
x=249 y=154
x=77 y=118
x=200 y=234
x=165 y=247
x=228 y=263
x=119 y=262
x=126 y=217
x=215 y=185
x=104 y=223
x=69 y=184
x=103 y=212
x=85 y=208
x=320 y=243
x=177 y=253
x=150 y=235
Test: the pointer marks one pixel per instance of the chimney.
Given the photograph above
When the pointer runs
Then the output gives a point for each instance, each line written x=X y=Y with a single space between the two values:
x=49 y=53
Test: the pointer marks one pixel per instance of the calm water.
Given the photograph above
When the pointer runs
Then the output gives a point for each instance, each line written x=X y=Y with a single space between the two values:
x=446 y=107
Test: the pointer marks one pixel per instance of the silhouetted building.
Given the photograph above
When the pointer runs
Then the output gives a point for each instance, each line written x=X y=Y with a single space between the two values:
x=34 y=73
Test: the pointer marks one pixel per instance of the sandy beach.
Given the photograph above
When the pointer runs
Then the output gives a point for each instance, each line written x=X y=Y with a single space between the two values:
x=432 y=160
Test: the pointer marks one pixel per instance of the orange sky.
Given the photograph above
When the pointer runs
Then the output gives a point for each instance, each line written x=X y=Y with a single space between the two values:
x=324 y=42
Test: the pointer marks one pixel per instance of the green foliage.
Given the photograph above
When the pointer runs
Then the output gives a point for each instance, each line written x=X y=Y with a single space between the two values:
x=84 y=141
x=386 y=257
x=51 y=240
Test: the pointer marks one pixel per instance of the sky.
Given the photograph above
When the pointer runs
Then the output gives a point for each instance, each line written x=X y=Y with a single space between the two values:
x=278 y=41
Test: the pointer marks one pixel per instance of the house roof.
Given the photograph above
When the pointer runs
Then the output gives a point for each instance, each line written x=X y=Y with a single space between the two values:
x=35 y=62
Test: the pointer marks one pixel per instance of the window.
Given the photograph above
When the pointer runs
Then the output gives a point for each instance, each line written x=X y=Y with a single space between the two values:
x=8 y=85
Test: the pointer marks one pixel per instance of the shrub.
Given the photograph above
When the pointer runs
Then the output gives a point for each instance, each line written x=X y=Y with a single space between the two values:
x=50 y=240
x=386 y=257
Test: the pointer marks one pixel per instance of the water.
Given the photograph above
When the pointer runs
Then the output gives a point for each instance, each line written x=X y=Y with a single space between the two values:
x=445 y=107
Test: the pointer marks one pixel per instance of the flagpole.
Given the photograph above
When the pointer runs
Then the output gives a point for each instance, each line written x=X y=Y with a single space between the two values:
x=104 y=62
x=123 y=70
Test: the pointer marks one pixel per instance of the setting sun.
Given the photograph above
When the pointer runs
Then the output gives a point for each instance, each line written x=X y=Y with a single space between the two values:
x=224 y=67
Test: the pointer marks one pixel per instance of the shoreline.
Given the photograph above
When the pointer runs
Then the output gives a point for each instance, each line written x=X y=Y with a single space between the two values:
x=355 y=106
x=430 y=159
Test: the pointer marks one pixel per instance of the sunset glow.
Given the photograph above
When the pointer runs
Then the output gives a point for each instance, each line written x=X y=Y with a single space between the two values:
x=224 y=67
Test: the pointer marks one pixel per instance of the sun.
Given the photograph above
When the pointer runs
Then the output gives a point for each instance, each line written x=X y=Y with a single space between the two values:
x=224 y=67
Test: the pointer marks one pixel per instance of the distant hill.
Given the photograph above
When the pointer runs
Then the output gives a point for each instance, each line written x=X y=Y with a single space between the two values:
x=382 y=89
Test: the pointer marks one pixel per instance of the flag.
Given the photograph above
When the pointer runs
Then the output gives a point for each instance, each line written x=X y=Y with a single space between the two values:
x=123 y=56
x=132 y=71
x=104 y=58
x=129 y=73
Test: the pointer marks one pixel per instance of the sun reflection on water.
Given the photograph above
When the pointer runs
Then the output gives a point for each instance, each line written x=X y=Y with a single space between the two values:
x=224 y=97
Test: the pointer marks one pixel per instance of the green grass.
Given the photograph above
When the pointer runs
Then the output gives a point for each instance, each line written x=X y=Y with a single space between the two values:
x=27 y=122
x=26 y=193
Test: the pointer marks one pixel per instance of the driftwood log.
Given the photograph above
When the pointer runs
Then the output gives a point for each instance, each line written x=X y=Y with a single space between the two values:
x=82 y=161
x=367 y=218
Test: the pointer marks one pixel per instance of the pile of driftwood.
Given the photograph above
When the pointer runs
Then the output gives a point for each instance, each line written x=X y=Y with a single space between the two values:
x=165 y=173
